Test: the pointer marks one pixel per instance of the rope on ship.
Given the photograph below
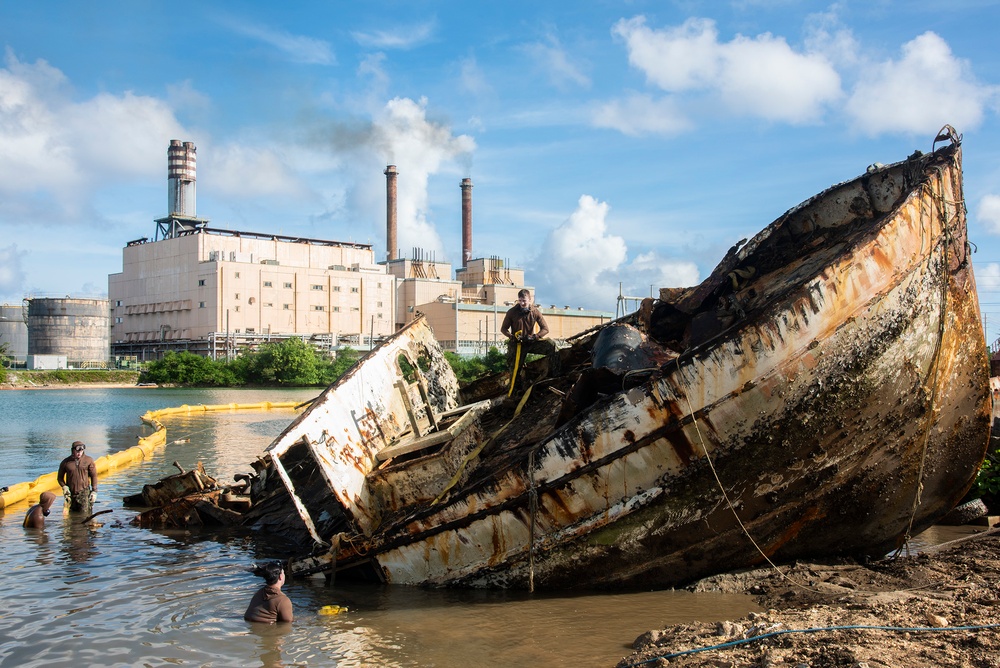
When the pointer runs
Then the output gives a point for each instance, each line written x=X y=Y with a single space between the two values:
x=144 y=448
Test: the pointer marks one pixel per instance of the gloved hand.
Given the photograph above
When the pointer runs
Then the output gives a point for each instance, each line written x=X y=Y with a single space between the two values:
x=67 y=494
x=93 y=497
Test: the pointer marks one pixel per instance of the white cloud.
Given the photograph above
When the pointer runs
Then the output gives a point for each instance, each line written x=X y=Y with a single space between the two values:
x=988 y=213
x=12 y=274
x=761 y=76
x=920 y=92
x=56 y=150
x=401 y=37
x=472 y=78
x=582 y=263
x=554 y=60
x=298 y=48
x=988 y=277
x=640 y=114
x=252 y=170
x=674 y=59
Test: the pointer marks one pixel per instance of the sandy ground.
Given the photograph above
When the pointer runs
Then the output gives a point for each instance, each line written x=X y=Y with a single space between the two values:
x=932 y=598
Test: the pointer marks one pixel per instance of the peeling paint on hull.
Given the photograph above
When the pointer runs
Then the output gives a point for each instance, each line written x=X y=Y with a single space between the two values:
x=830 y=395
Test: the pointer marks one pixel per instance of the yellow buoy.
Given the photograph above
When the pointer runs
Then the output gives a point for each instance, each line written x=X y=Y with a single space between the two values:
x=332 y=610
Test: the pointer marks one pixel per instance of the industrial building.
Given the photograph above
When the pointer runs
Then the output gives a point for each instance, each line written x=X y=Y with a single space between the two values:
x=214 y=291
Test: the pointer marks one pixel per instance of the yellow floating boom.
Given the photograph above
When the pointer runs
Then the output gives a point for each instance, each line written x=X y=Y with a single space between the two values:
x=30 y=491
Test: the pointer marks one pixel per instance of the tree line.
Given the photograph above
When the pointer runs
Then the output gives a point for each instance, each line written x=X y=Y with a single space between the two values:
x=288 y=363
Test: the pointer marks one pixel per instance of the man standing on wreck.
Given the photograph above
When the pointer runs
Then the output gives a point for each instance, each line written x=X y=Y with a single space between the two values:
x=519 y=326
x=78 y=478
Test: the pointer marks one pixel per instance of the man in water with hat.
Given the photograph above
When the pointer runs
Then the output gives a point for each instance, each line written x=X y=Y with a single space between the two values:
x=78 y=478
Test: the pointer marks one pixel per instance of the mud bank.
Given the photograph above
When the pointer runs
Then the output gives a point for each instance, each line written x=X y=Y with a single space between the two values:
x=933 y=609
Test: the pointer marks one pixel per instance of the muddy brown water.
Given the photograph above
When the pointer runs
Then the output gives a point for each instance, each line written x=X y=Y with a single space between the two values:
x=116 y=595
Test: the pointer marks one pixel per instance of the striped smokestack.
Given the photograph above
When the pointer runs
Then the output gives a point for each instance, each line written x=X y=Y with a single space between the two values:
x=466 y=222
x=390 y=212
x=181 y=162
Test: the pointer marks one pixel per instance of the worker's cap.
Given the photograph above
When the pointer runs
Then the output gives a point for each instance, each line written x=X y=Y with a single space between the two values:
x=79 y=446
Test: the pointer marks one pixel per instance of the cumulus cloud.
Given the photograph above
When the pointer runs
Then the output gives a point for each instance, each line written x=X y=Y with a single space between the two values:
x=400 y=37
x=582 y=262
x=761 y=76
x=640 y=114
x=926 y=88
x=553 y=59
x=56 y=148
x=12 y=274
x=988 y=213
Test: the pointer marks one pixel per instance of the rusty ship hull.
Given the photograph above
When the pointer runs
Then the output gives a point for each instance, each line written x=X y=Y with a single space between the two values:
x=825 y=391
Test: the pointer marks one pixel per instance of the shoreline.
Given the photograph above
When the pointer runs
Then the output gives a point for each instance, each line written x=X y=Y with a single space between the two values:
x=938 y=607
x=75 y=386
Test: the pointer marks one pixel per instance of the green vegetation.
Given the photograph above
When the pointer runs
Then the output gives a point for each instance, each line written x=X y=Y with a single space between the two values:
x=470 y=368
x=293 y=363
x=3 y=362
x=289 y=363
x=987 y=484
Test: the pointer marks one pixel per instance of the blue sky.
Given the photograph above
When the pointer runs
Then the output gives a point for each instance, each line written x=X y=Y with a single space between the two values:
x=608 y=142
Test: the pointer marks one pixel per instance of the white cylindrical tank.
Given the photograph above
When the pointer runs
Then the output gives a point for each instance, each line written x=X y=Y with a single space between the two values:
x=13 y=329
x=80 y=329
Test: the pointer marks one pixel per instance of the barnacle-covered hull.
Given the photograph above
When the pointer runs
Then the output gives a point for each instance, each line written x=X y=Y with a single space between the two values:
x=824 y=391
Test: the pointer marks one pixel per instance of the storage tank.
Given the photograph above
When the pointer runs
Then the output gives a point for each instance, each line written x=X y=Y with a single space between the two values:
x=80 y=329
x=13 y=330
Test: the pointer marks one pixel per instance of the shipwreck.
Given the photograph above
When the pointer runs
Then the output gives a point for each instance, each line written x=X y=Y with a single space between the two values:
x=824 y=391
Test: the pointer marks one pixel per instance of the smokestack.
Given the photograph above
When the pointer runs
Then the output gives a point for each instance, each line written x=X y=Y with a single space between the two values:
x=390 y=212
x=181 y=160
x=466 y=222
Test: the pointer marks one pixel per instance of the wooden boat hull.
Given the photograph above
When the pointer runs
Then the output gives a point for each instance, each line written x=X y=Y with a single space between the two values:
x=846 y=408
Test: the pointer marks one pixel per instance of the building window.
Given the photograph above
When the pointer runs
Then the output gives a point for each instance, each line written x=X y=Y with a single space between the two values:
x=118 y=321
x=201 y=304
x=267 y=304
x=355 y=308
x=379 y=316
x=236 y=274
x=237 y=295
x=288 y=285
x=236 y=308
x=319 y=308
x=336 y=309
x=118 y=303
x=267 y=284
x=379 y=304
x=250 y=330
x=354 y=289
x=316 y=287
x=336 y=288
x=201 y=282
x=380 y=285
x=287 y=307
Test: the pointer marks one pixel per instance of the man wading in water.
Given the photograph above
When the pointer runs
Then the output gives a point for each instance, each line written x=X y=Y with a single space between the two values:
x=78 y=478
x=269 y=605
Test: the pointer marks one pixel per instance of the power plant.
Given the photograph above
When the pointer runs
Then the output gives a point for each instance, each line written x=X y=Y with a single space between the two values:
x=216 y=291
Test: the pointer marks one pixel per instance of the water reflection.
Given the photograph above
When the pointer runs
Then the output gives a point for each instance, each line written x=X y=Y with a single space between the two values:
x=119 y=595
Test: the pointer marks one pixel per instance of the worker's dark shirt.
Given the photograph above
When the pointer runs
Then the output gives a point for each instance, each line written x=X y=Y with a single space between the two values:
x=268 y=606
x=77 y=475
x=517 y=320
